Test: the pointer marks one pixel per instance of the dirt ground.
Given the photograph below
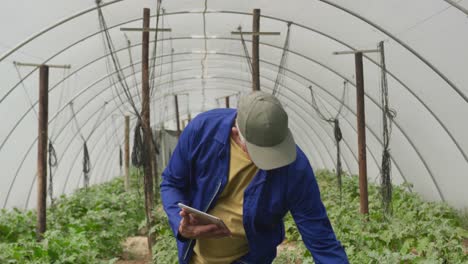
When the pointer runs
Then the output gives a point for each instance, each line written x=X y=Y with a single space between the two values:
x=135 y=251
x=465 y=246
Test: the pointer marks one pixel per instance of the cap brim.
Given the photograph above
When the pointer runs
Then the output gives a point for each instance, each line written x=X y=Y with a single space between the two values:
x=268 y=158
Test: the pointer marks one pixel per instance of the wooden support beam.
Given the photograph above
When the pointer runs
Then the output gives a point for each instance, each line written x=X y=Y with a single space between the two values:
x=361 y=125
x=256 y=51
x=264 y=33
x=147 y=138
x=66 y=66
x=127 y=153
x=227 y=101
x=355 y=51
x=146 y=29
x=176 y=101
x=42 y=151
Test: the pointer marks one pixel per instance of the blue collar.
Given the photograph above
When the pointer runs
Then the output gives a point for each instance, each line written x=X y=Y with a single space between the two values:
x=222 y=136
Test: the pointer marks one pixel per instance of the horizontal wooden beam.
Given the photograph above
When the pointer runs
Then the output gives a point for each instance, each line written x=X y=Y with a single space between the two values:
x=255 y=33
x=355 y=51
x=67 y=66
x=146 y=29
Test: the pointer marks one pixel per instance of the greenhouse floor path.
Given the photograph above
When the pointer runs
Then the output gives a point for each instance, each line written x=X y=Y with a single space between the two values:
x=135 y=251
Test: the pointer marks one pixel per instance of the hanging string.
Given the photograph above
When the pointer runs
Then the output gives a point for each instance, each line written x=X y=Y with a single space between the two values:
x=130 y=57
x=137 y=153
x=155 y=45
x=52 y=157
x=188 y=107
x=120 y=159
x=115 y=138
x=387 y=119
x=246 y=51
x=86 y=165
x=86 y=160
x=336 y=131
x=205 y=56
x=282 y=66
x=137 y=146
x=52 y=163
x=114 y=61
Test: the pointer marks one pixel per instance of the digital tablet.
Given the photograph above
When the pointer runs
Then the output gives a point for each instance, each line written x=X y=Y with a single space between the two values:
x=203 y=217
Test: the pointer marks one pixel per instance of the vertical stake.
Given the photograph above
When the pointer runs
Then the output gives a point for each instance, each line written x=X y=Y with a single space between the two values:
x=361 y=125
x=42 y=151
x=147 y=138
x=177 y=115
x=127 y=153
x=256 y=51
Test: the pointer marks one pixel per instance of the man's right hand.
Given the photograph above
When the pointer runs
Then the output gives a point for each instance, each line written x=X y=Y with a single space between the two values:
x=191 y=228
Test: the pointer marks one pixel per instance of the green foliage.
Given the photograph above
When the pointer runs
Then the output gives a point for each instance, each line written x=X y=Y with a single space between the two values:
x=16 y=225
x=87 y=227
x=418 y=231
x=165 y=248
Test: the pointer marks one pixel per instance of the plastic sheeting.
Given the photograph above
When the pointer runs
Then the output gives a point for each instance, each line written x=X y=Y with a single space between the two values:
x=426 y=59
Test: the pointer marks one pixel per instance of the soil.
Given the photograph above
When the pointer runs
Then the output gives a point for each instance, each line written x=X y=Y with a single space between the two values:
x=135 y=251
x=465 y=246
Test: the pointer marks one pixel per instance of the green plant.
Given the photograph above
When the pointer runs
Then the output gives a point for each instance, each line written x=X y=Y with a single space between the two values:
x=165 y=247
x=86 y=227
x=418 y=231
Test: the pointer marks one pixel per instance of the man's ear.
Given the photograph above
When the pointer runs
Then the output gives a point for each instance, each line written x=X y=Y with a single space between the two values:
x=235 y=131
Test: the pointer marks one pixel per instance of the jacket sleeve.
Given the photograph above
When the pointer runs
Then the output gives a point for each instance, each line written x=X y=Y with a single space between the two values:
x=311 y=217
x=176 y=179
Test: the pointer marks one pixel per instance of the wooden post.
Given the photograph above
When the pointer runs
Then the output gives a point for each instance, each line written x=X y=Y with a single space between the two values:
x=127 y=153
x=177 y=115
x=256 y=51
x=361 y=125
x=227 y=101
x=42 y=151
x=147 y=138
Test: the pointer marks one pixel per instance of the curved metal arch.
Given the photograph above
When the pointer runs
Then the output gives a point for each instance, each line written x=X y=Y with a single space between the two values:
x=94 y=146
x=237 y=88
x=341 y=76
x=354 y=14
x=374 y=158
x=457 y=6
x=106 y=174
x=345 y=143
x=63 y=21
x=331 y=156
x=59 y=160
x=402 y=43
x=400 y=171
x=397 y=125
x=76 y=134
x=299 y=25
x=264 y=61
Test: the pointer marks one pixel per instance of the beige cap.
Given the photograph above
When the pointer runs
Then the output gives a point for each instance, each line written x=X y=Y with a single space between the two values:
x=264 y=124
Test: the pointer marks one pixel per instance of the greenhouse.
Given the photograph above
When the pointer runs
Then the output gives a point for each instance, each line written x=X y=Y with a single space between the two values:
x=115 y=111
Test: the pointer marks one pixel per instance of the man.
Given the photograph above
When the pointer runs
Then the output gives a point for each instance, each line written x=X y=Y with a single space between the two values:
x=244 y=168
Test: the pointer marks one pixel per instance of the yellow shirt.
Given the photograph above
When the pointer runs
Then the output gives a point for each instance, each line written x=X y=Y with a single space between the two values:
x=229 y=208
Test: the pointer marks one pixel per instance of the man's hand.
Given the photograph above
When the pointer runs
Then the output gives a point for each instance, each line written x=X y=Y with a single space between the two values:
x=191 y=228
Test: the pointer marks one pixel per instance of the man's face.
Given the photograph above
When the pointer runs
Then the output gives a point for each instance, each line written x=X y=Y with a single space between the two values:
x=240 y=141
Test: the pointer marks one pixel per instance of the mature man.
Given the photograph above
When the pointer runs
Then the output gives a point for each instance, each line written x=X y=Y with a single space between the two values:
x=244 y=167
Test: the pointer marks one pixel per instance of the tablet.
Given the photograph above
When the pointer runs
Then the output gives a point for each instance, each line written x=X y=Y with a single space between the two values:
x=203 y=217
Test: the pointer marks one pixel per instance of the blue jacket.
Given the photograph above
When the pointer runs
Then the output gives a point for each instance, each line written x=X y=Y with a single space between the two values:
x=197 y=174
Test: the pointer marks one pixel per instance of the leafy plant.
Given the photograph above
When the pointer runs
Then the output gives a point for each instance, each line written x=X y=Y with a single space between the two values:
x=418 y=232
x=86 y=227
